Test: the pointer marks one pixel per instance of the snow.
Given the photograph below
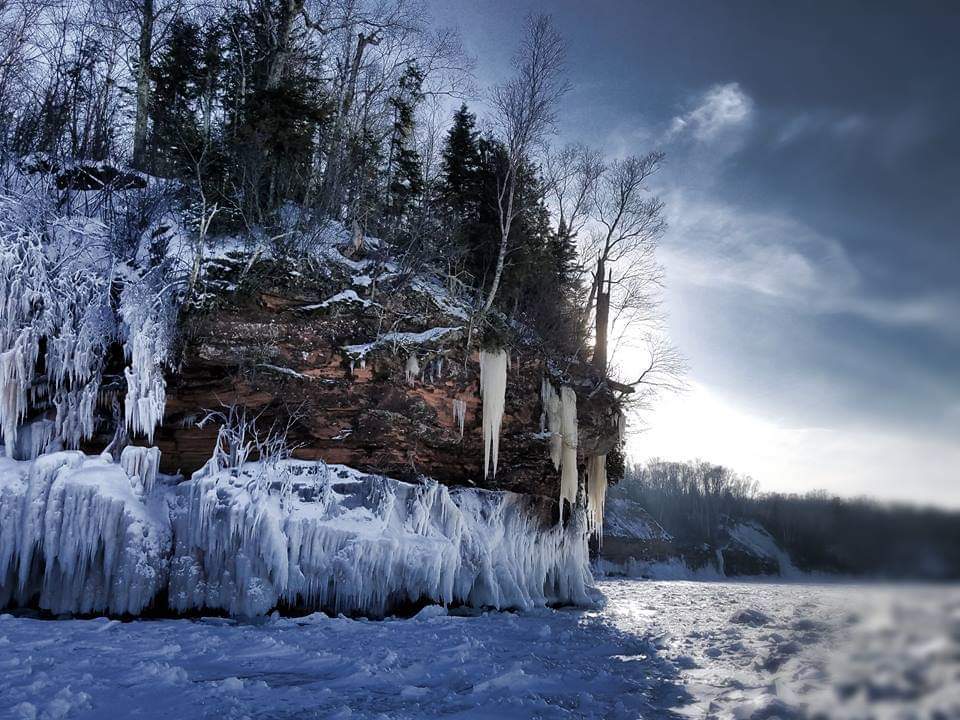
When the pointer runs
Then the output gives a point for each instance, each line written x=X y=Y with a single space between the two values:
x=399 y=339
x=654 y=650
x=493 y=389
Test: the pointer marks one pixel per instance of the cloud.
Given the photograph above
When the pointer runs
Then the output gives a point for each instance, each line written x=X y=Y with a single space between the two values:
x=712 y=244
x=720 y=109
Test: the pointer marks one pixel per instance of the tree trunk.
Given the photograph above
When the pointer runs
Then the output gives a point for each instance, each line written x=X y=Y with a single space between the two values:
x=330 y=194
x=603 y=320
x=143 y=87
x=506 y=220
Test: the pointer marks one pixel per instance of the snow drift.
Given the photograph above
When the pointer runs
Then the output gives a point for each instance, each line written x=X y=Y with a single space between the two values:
x=85 y=534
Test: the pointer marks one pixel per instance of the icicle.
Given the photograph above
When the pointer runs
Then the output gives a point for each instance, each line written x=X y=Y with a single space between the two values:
x=596 y=494
x=550 y=419
x=411 y=369
x=141 y=464
x=568 y=456
x=493 y=387
x=459 y=414
x=34 y=438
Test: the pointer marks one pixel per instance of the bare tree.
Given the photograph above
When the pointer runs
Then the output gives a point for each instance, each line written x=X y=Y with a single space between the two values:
x=571 y=177
x=525 y=112
x=629 y=222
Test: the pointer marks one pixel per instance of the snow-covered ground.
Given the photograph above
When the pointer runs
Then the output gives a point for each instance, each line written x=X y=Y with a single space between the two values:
x=655 y=650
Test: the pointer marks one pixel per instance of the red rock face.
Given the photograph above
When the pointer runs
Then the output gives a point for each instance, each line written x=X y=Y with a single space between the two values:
x=280 y=360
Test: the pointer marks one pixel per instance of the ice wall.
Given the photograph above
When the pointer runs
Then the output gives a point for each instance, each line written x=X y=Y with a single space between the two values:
x=76 y=536
x=83 y=534
x=347 y=542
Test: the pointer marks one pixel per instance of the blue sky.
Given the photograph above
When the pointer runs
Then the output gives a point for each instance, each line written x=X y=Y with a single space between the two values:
x=813 y=256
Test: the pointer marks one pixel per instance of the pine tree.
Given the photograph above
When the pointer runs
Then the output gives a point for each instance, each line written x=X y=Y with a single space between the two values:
x=404 y=174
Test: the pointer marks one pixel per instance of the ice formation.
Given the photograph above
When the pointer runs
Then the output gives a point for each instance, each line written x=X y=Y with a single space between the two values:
x=62 y=308
x=85 y=534
x=459 y=413
x=551 y=420
x=596 y=493
x=411 y=369
x=568 y=454
x=493 y=388
x=348 y=542
x=142 y=465
x=76 y=537
x=148 y=328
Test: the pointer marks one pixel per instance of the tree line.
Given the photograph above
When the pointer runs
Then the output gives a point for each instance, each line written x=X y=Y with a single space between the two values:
x=695 y=501
x=244 y=111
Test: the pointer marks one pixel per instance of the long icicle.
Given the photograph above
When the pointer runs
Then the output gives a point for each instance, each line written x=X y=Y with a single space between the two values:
x=493 y=387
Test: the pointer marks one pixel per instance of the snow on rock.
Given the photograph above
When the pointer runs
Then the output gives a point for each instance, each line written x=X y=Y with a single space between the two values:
x=345 y=296
x=76 y=537
x=399 y=339
x=493 y=388
x=346 y=542
x=757 y=541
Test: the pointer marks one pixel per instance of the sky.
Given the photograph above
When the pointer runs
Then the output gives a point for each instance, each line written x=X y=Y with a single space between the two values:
x=813 y=255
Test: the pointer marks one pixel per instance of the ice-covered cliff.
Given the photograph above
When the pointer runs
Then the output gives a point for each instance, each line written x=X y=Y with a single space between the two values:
x=82 y=534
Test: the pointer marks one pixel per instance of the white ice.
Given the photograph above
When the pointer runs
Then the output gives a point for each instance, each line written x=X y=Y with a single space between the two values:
x=721 y=651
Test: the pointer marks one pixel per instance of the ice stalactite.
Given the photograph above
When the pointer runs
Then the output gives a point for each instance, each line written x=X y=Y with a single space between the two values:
x=348 y=542
x=142 y=465
x=411 y=369
x=568 y=455
x=550 y=420
x=78 y=534
x=34 y=438
x=459 y=414
x=75 y=537
x=61 y=307
x=148 y=328
x=596 y=493
x=493 y=388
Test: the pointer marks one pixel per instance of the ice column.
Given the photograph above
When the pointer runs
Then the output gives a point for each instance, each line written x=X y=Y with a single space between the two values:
x=493 y=387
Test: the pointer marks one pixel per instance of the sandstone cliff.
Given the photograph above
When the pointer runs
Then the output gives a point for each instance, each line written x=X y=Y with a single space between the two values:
x=368 y=361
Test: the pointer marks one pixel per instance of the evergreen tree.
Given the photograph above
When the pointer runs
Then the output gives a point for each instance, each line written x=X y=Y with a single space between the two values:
x=404 y=173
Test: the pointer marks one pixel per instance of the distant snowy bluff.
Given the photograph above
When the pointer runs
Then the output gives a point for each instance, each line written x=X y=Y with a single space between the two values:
x=85 y=534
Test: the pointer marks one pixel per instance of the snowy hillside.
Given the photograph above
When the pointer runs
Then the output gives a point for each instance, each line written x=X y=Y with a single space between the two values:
x=81 y=534
x=634 y=544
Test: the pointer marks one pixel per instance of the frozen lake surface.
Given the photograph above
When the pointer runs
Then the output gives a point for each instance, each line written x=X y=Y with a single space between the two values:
x=654 y=650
